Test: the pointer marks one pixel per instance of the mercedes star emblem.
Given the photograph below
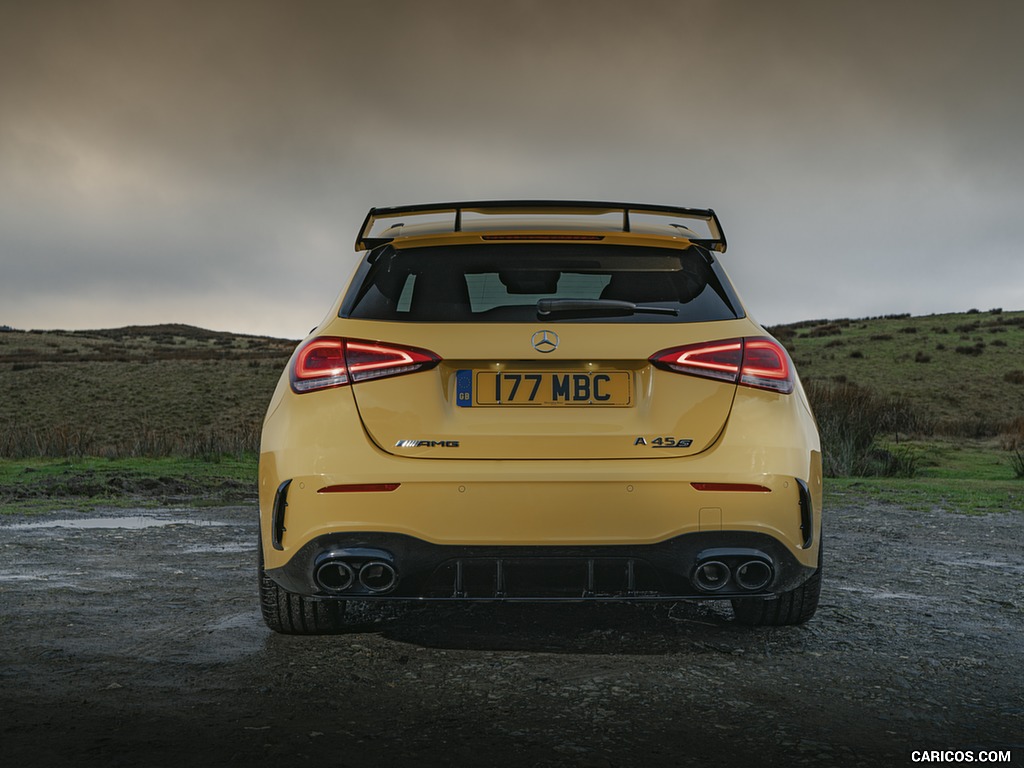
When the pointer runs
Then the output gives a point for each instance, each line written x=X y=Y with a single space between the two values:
x=545 y=341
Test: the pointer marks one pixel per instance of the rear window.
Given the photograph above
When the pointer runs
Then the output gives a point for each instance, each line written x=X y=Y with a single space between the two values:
x=504 y=283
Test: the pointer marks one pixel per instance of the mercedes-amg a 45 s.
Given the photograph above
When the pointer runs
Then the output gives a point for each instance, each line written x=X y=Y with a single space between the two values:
x=538 y=400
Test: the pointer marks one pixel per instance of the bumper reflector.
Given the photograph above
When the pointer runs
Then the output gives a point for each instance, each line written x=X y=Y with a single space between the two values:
x=737 y=487
x=360 y=488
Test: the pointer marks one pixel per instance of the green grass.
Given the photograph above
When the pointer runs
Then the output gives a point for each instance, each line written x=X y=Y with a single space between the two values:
x=983 y=460
x=968 y=476
x=39 y=485
x=963 y=496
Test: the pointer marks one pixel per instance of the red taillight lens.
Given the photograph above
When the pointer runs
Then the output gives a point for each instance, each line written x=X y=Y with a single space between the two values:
x=370 y=360
x=757 y=362
x=328 y=361
x=319 y=364
x=720 y=360
x=766 y=366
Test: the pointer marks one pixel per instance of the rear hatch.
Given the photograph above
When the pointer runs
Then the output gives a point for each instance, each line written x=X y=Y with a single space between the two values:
x=596 y=396
x=544 y=348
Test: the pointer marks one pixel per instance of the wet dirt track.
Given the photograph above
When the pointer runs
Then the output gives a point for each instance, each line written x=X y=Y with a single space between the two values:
x=133 y=638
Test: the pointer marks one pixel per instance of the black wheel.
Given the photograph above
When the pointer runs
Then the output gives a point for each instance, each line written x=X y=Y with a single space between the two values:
x=793 y=607
x=292 y=614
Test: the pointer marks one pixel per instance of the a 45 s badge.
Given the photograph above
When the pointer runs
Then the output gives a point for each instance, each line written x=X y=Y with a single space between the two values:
x=664 y=442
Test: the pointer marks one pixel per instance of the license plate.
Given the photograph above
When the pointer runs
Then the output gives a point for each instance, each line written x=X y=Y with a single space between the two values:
x=544 y=388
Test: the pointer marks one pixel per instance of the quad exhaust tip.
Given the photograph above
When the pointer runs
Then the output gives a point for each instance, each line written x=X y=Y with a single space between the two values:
x=335 y=576
x=744 y=570
x=338 y=576
x=378 y=576
x=754 y=575
x=711 y=575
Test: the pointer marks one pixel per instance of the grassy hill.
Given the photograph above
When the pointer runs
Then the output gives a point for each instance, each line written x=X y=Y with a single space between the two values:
x=961 y=374
x=136 y=391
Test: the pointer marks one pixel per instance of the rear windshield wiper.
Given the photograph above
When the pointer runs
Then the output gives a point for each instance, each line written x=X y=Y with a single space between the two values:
x=547 y=307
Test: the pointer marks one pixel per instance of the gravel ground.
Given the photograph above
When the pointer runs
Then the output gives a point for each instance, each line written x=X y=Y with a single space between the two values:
x=133 y=638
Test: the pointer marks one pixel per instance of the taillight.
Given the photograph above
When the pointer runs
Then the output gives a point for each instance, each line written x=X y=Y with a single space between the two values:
x=758 y=362
x=720 y=360
x=328 y=361
x=766 y=366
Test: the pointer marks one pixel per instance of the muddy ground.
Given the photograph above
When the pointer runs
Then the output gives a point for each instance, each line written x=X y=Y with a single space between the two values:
x=133 y=638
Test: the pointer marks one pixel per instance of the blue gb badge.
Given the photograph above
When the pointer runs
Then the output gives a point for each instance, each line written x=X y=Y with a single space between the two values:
x=464 y=388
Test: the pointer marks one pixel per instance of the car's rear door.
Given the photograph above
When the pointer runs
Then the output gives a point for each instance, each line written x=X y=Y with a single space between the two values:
x=496 y=396
x=545 y=351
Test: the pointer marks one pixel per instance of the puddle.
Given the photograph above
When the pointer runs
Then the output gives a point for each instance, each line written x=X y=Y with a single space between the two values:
x=55 y=581
x=241 y=547
x=248 y=620
x=981 y=563
x=879 y=594
x=127 y=523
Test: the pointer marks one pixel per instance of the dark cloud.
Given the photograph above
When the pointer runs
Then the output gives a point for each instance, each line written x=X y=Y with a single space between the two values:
x=181 y=156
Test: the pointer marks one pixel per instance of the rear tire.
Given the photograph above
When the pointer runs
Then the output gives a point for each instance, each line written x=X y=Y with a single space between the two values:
x=292 y=614
x=793 y=607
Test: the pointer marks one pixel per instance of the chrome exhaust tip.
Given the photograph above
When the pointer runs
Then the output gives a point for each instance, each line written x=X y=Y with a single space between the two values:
x=378 y=576
x=335 y=576
x=711 y=575
x=754 y=575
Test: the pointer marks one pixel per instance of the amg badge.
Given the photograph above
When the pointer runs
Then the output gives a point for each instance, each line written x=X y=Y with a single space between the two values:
x=427 y=444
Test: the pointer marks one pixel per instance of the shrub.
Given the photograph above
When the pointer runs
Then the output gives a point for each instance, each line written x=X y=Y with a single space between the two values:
x=973 y=351
x=832 y=329
x=973 y=427
x=1012 y=438
x=850 y=420
x=782 y=333
x=20 y=441
x=1017 y=462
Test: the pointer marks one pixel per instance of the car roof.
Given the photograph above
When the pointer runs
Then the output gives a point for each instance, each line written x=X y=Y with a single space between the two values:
x=412 y=226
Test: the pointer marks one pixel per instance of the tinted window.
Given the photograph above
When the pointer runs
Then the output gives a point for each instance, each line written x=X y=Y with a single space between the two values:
x=503 y=283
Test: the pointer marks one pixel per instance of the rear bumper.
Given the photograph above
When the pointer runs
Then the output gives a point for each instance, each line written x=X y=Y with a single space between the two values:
x=506 y=513
x=370 y=565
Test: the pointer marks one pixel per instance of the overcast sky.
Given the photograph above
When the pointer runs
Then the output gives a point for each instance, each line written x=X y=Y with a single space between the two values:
x=210 y=162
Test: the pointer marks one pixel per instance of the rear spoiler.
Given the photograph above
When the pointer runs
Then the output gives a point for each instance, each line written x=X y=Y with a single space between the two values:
x=365 y=241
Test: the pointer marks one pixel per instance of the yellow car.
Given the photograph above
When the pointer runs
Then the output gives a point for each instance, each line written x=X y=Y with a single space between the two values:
x=543 y=401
